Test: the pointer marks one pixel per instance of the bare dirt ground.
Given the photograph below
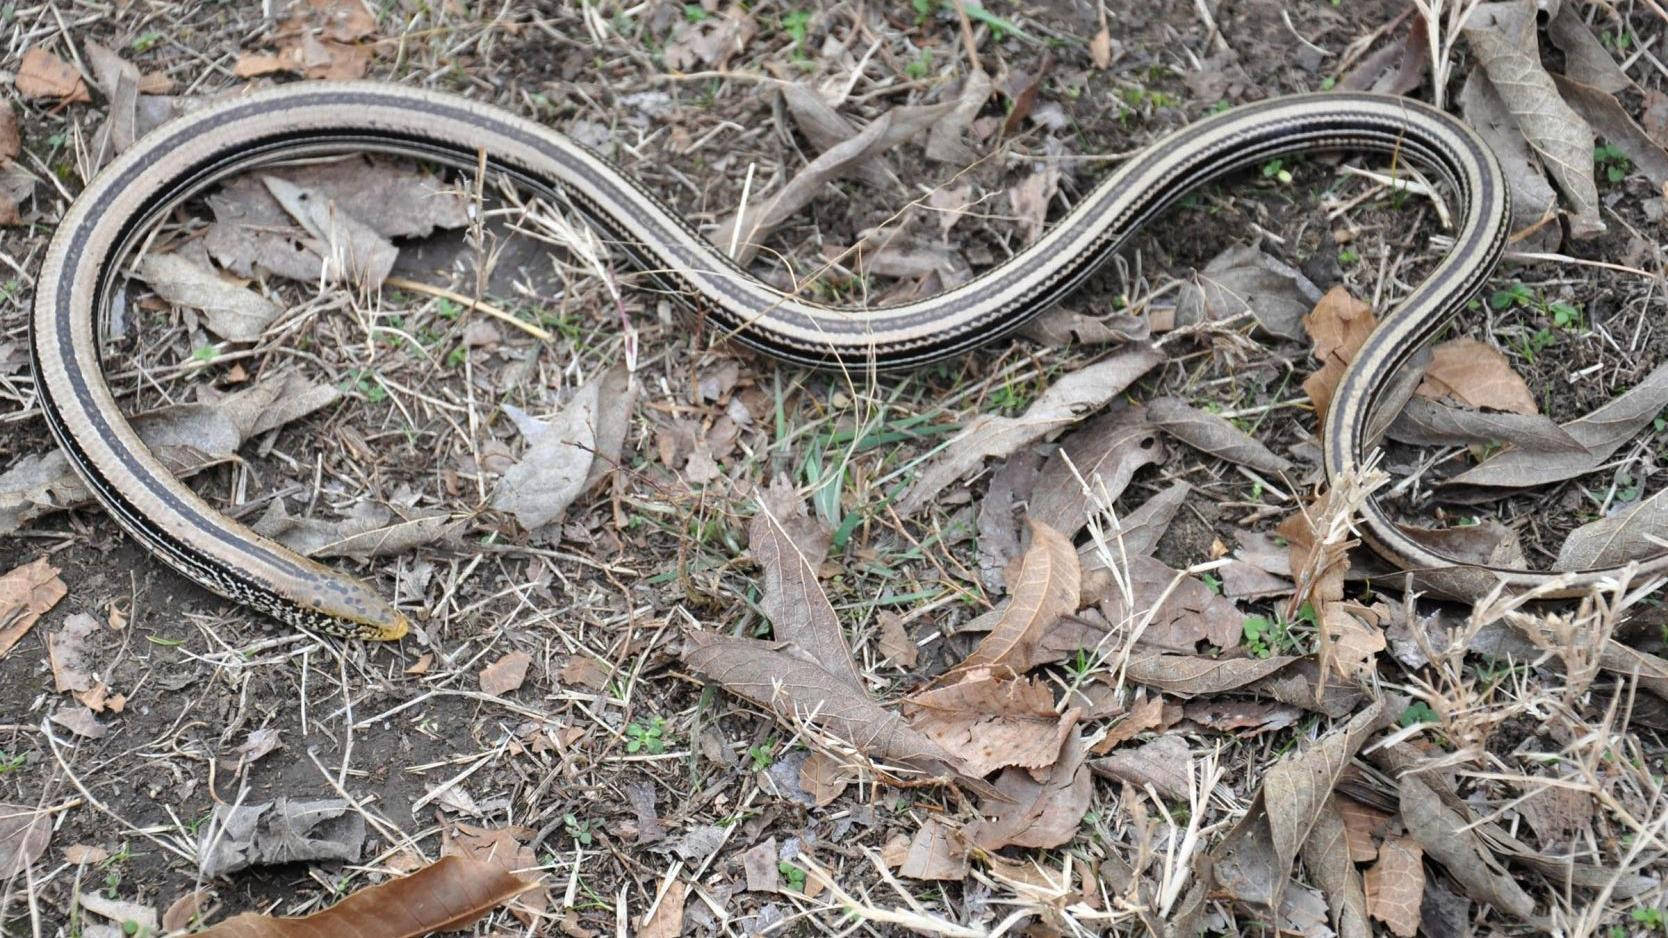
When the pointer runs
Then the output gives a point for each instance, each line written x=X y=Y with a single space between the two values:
x=612 y=767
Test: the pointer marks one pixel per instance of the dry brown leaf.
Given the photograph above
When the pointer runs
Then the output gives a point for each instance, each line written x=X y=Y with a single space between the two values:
x=1448 y=837
x=70 y=652
x=823 y=778
x=1165 y=764
x=1477 y=374
x=1045 y=588
x=1092 y=467
x=24 y=834
x=710 y=40
x=1395 y=885
x=1196 y=675
x=1487 y=543
x=1034 y=813
x=1243 y=280
x=946 y=142
x=26 y=593
x=1165 y=608
x=895 y=644
x=40 y=74
x=369 y=530
x=355 y=252
x=1100 y=49
x=747 y=229
x=1428 y=423
x=340 y=20
x=125 y=917
x=1213 y=435
x=1326 y=856
x=508 y=849
x=1533 y=198
x=443 y=896
x=586 y=671
x=185 y=911
x=1354 y=638
x=1243 y=718
x=1065 y=402
x=1338 y=326
x=1364 y=827
x=992 y=721
x=563 y=456
x=1601 y=432
x=1146 y=713
x=1504 y=36
x=1396 y=68
x=936 y=852
x=1558 y=814
x=789 y=547
x=1062 y=326
x=1616 y=126
x=1254 y=862
x=798 y=690
x=759 y=865
x=1021 y=88
x=506 y=674
x=1632 y=533
x=11 y=138
x=667 y=920
x=1135 y=535
x=1585 y=58
x=1030 y=197
x=231 y=311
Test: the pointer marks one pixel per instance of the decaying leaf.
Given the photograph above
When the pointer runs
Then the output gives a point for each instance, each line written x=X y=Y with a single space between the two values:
x=1396 y=68
x=1030 y=198
x=509 y=849
x=1487 y=543
x=252 y=230
x=1585 y=58
x=801 y=691
x=992 y=721
x=239 y=836
x=936 y=852
x=369 y=530
x=187 y=438
x=1065 y=401
x=24 y=834
x=40 y=74
x=823 y=778
x=946 y=142
x=354 y=252
x=1477 y=374
x=1244 y=280
x=1033 y=812
x=1338 y=325
x=1135 y=534
x=1326 y=855
x=1164 y=608
x=1616 y=127
x=1601 y=433
x=1165 y=763
x=1213 y=435
x=747 y=230
x=1093 y=465
x=710 y=40
x=563 y=457
x=789 y=546
x=1254 y=863
x=1428 y=423
x=506 y=674
x=11 y=138
x=895 y=643
x=1448 y=838
x=230 y=311
x=1045 y=588
x=442 y=896
x=1633 y=533
x=1533 y=198
x=26 y=593
x=1504 y=35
